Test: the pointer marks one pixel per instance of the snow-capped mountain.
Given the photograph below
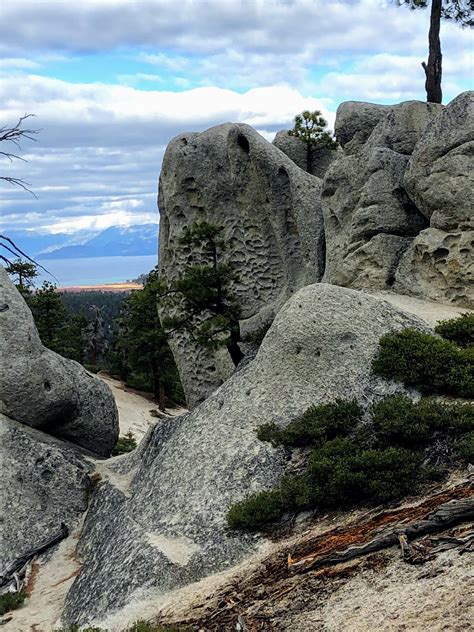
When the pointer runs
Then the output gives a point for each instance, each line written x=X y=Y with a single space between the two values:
x=124 y=241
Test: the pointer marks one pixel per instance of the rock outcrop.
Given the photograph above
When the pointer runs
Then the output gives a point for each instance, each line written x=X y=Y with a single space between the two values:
x=440 y=180
x=270 y=211
x=163 y=526
x=42 y=389
x=45 y=482
x=319 y=159
x=369 y=218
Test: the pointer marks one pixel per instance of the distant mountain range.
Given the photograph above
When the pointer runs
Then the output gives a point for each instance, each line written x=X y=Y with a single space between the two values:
x=123 y=241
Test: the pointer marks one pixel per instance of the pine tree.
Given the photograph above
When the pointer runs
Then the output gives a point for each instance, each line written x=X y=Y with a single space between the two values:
x=460 y=11
x=24 y=274
x=50 y=314
x=142 y=340
x=310 y=127
x=201 y=300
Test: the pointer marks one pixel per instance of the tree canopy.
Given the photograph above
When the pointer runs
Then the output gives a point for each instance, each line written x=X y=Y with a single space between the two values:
x=201 y=301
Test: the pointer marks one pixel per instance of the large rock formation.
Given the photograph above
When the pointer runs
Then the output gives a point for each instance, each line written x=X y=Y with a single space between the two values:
x=369 y=218
x=42 y=389
x=398 y=206
x=162 y=524
x=319 y=158
x=45 y=482
x=440 y=180
x=270 y=211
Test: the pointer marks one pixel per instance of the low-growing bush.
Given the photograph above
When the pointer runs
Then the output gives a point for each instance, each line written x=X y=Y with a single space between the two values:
x=381 y=458
x=398 y=421
x=256 y=510
x=11 y=601
x=426 y=362
x=458 y=330
x=465 y=448
x=125 y=444
x=318 y=424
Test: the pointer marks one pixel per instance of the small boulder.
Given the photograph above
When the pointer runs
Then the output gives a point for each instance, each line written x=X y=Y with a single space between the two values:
x=42 y=389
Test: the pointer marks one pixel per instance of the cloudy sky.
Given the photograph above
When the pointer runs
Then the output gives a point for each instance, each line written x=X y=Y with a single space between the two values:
x=112 y=81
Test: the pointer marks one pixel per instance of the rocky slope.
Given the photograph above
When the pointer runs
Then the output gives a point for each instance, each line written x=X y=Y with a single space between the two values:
x=167 y=528
x=393 y=211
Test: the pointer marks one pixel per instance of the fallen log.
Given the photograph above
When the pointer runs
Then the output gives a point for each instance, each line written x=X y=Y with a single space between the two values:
x=10 y=573
x=445 y=516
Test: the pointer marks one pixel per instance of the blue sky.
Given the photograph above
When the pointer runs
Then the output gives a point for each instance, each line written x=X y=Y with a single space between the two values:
x=112 y=81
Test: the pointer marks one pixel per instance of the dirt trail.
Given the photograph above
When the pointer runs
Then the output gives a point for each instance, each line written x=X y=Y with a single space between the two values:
x=53 y=575
x=135 y=409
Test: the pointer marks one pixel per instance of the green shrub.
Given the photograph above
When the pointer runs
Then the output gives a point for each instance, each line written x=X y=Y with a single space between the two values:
x=352 y=461
x=458 y=330
x=465 y=448
x=317 y=424
x=125 y=444
x=256 y=510
x=11 y=601
x=428 y=363
x=398 y=421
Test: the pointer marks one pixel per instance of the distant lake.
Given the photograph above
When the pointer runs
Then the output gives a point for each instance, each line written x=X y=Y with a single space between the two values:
x=95 y=270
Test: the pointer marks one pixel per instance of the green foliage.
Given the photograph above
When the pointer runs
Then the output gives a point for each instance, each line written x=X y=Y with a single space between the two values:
x=397 y=420
x=49 y=313
x=310 y=127
x=142 y=351
x=11 y=601
x=125 y=444
x=375 y=459
x=24 y=274
x=256 y=510
x=201 y=300
x=318 y=424
x=458 y=330
x=428 y=363
x=465 y=448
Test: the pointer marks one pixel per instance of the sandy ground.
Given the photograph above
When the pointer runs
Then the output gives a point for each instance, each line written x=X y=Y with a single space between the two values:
x=432 y=312
x=135 y=409
x=54 y=574
x=49 y=585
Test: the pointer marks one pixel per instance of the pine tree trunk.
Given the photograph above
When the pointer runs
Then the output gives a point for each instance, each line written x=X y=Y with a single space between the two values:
x=233 y=346
x=309 y=158
x=158 y=389
x=433 y=67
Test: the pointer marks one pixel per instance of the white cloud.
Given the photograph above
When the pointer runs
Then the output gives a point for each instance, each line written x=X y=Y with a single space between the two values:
x=98 y=156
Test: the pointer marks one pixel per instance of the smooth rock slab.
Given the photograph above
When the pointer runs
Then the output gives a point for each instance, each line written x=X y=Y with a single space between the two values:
x=166 y=527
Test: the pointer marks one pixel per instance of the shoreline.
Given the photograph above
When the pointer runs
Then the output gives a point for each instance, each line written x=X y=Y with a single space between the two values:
x=102 y=287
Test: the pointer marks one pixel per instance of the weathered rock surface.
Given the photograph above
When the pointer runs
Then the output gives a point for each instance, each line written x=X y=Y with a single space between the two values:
x=319 y=159
x=44 y=482
x=440 y=175
x=270 y=211
x=40 y=388
x=369 y=218
x=161 y=524
x=440 y=179
x=355 y=121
